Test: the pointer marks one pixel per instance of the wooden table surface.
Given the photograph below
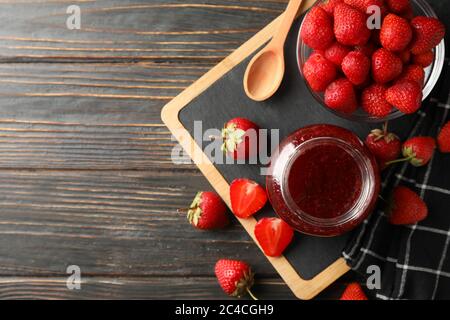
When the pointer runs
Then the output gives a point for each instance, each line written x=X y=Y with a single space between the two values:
x=85 y=168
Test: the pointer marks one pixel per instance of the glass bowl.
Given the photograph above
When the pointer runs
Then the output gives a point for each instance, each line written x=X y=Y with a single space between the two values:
x=432 y=73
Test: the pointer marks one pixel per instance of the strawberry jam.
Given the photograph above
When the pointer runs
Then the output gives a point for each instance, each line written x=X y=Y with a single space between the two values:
x=323 y=181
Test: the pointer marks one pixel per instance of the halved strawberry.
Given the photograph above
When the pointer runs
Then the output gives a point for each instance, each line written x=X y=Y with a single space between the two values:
x=406 y=207
x=240 y=138
x=273 y=235
x=247 y=197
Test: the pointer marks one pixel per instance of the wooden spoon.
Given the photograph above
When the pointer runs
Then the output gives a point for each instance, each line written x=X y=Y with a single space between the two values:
x=266 y=70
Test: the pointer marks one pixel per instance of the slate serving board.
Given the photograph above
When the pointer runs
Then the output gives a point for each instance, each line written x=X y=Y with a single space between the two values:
x=291 y=108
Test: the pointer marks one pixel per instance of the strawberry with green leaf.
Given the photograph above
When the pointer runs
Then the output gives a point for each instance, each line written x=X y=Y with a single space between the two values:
x=235 y=277
x=207 y=211
x=240 y=138
x=385 y=146
x=417 y=151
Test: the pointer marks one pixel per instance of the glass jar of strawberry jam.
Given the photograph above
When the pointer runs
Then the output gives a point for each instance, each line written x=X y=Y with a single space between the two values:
x=322 y=180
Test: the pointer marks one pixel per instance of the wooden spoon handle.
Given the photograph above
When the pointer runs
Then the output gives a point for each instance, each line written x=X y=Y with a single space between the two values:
x=283 y=29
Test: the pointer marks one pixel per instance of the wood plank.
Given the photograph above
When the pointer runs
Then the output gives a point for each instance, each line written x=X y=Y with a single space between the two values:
x=132 y=288
x=130 y=29
x=302 y=288
x=89 y=116
x=104 y=117
x=145 y=288
x=111 y=223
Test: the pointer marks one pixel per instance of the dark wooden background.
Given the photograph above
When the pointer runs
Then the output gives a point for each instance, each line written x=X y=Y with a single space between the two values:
x=85 y=171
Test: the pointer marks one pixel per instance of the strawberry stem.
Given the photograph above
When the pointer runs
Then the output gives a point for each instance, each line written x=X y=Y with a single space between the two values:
x=385 y=128
x=251 y=294
x=399 y=160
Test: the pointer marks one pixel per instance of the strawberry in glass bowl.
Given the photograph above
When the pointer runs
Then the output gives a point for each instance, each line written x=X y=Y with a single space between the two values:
x=371 y=75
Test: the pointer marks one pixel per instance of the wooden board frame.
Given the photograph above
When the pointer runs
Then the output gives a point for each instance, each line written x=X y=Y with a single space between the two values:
x=302 y=289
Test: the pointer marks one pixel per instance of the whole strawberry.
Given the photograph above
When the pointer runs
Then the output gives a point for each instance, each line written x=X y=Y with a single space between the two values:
x=353 y=292
x=336 y=53
x=235 y=277
x=319 y=72
x=384 y=146
x=374 y=102
x=443 y=139
x=350 y=27
x=428 y=33
x=424 y=59
x=406 y=96
x=207 y=211
x=329 y=5
x=406 y=207
x=363 y=5
x=356 y=67
x=398 y=6
x=413 y=72
x=340 y=96
x=317 y=29
x=386 y=66
x=417 y=151
x=395 y=34
x=240 y=138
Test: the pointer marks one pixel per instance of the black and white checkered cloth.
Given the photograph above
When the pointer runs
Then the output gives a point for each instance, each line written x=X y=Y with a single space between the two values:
x=414 y=260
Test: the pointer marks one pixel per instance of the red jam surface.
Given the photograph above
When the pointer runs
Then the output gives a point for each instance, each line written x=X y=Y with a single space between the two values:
x=323 y=181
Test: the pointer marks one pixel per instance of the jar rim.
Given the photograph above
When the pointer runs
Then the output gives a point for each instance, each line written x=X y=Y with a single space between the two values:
x=368 y=182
